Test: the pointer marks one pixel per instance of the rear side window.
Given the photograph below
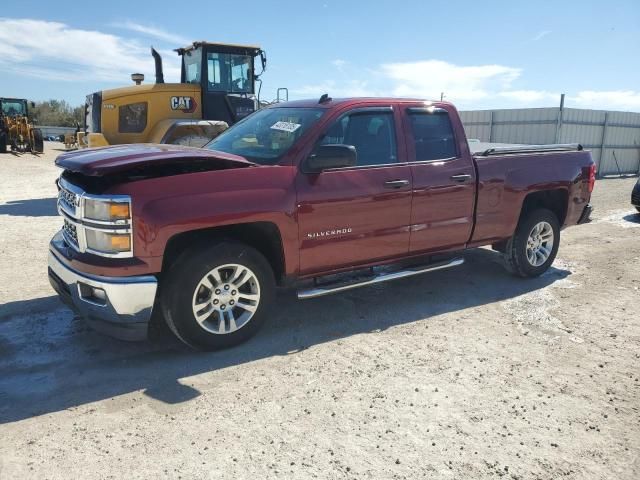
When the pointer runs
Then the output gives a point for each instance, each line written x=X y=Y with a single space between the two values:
x=433 y=135
x=132 y=118
x=372 y=134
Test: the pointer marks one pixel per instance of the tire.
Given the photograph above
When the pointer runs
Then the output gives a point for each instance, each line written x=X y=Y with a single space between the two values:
x=190 y=280
x=3 y=142
x=638 y=209
x=197 y=141
x=38 y=143
x=518 y=257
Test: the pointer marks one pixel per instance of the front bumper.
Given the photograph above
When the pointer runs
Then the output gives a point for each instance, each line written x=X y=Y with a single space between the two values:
x=117 y=306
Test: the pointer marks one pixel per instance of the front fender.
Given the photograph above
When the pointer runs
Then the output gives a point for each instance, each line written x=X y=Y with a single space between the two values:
x=169 y=206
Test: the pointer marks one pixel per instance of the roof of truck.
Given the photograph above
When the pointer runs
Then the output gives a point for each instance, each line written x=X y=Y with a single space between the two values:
x=333 y=102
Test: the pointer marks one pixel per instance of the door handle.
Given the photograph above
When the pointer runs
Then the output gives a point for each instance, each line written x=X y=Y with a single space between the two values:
x=463 y=177
x=396 y=183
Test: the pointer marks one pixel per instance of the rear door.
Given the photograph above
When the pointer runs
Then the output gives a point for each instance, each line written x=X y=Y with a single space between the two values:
x=357 y=215
x=443 y=180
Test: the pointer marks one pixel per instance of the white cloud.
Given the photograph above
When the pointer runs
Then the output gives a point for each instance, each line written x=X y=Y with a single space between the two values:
x=154 y=32
x=529 y=96
x=53 y=50
x=605 y=100
x=427 y=79
x=351 y=88
x=339 y=63
x=476 y=86
x=541 y=34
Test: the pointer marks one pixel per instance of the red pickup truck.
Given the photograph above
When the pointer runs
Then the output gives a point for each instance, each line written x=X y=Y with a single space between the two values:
x=321 y=196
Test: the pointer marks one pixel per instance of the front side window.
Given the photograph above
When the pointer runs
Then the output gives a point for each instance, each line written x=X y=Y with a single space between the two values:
x=433 y=135
x=132 y=118
x=266 y=135
x=229 y=73
x=192 y=63
x=372 y=134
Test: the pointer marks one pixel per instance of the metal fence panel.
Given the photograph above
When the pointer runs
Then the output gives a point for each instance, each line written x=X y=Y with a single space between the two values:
x=612 y=137
x=619 y=161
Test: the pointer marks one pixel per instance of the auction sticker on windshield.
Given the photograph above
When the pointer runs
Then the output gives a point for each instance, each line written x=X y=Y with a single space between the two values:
x=286 y=126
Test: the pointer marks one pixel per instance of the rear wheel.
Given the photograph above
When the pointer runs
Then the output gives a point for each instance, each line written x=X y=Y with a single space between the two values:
x=533 y=247
x=3 y=142
x=218 y=296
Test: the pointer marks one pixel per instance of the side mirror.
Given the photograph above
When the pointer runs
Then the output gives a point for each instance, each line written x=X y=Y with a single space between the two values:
x=33 y=104
x=331 y=156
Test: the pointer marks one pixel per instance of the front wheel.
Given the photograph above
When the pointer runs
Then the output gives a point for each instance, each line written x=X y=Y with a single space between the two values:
x=218 y=296
x=533 y=247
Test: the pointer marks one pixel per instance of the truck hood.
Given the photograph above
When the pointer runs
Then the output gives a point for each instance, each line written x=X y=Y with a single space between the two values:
x=97 y=162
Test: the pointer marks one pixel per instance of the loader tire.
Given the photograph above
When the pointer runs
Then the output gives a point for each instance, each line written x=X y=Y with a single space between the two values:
x=38 y=141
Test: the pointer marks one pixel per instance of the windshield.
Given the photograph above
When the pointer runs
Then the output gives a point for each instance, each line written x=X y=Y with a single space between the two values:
x=265 y=136
x=13 y=107
x=229 y=73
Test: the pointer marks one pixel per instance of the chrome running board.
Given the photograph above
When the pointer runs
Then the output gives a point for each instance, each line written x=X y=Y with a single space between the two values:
x=319 y=291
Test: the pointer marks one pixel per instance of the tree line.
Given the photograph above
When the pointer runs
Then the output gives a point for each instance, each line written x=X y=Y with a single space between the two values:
x=56 y=113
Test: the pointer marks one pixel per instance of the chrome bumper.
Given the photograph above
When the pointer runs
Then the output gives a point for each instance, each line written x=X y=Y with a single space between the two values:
x=117 y=306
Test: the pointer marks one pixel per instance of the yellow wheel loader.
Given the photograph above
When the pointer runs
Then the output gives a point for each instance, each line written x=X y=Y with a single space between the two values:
x=217 y=88
x=16 y=132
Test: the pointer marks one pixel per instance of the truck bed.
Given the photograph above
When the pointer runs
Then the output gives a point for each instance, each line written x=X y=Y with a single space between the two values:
x=506 y=177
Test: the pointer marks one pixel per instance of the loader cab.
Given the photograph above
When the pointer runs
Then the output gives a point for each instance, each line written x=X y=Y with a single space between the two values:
x=227 y=77
x=13 y=107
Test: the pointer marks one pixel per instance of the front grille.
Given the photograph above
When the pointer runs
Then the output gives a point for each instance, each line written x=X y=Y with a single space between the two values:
x=70 y=233
x=79 y=232
x=69 y=201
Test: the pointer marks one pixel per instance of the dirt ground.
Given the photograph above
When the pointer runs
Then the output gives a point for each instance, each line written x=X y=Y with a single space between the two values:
x=465 y=373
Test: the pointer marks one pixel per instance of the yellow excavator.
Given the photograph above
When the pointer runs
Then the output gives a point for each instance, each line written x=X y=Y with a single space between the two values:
x=217 y=88
x=16 y=131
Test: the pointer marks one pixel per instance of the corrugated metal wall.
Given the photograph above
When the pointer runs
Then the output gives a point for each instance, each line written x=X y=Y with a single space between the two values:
x=47 y=130
x=617 y=132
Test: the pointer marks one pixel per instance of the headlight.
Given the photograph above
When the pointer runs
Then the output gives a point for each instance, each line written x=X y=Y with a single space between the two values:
x=106 y=242
x=106 y=210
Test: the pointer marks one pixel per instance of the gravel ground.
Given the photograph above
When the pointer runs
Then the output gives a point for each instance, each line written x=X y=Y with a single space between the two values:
x=466 y=373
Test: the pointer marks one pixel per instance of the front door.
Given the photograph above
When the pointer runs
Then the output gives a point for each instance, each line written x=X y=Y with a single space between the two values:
x=356 y=215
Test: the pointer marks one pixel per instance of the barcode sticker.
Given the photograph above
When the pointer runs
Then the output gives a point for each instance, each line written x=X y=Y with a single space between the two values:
x=285 y=126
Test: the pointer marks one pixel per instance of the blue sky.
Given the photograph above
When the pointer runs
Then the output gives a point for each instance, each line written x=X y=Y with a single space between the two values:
x=481 y=54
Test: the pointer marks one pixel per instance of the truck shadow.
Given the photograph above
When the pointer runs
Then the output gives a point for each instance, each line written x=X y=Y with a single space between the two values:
x=50 y=361
x=37 y=207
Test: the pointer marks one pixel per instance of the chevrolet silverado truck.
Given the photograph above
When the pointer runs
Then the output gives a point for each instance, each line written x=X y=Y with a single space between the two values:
x=318 y=195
